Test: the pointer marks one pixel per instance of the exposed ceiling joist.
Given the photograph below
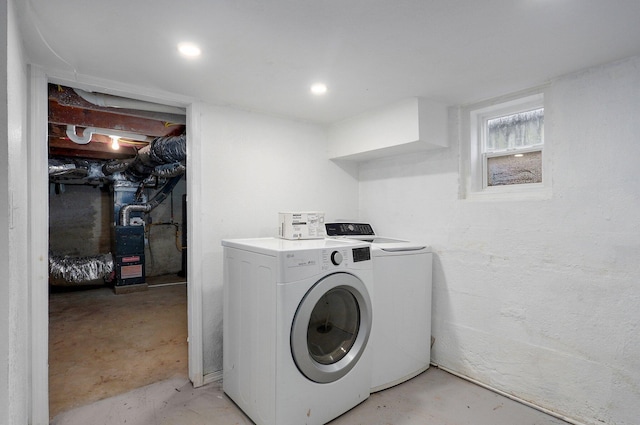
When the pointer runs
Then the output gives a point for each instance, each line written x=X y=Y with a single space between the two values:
x=67 y=108
x=67 y=148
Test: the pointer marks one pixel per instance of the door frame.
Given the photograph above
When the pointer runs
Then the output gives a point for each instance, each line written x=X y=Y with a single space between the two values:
x=38 y=211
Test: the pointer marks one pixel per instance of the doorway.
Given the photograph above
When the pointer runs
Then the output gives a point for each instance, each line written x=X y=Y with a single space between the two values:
x=81 y=202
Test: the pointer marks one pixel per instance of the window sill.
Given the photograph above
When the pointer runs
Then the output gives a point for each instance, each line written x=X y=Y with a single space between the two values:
x=512 y=193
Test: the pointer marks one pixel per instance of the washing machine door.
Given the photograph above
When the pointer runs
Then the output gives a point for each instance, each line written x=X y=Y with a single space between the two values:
x=331 y=327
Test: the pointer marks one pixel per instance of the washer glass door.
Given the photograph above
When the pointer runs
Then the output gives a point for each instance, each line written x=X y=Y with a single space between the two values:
x=331 y=327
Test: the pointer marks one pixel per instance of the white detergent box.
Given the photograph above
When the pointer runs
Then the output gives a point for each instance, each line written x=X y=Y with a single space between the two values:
x=301 y=225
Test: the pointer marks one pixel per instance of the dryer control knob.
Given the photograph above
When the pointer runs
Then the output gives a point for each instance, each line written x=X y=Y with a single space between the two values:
x=336 y=258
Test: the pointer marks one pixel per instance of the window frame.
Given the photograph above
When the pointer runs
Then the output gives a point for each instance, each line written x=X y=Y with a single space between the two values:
x=476 y=117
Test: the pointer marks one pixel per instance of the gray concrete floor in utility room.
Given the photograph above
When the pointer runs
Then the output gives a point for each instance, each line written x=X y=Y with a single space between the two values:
x=122 y=359
x=432 y=398
x=102 y=344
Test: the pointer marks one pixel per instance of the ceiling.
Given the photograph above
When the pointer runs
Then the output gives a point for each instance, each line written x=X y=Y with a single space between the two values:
x=264 y=55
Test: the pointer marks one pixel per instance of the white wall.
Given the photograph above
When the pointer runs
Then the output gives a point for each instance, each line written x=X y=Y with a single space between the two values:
x=14 y=329
x=539 y=299
x=254 y=166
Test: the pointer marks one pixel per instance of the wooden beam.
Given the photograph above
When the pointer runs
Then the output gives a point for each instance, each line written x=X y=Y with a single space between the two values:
x=67 y=96
x=65 y=115
x=67 y=108
x=92 y=150
x=60 y=132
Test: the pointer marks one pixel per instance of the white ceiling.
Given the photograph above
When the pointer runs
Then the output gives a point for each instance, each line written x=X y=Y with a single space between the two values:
x=264 y=54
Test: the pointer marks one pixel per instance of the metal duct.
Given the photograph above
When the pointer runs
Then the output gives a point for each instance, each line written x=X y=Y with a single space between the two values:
x=80 y=270
x=160 y=196
x=128 y=209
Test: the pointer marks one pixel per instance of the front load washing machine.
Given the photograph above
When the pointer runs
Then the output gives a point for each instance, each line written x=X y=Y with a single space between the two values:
x=297 y=321
x=401 y=332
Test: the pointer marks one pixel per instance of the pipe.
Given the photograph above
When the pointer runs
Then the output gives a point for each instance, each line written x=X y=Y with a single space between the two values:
x=128 y=209
x=81 y=140
x=158 y=198
x=90 y=131
x=110 y=101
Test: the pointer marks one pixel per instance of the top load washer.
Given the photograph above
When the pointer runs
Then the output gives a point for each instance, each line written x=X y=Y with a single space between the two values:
x=296 y=329
x=402 y=280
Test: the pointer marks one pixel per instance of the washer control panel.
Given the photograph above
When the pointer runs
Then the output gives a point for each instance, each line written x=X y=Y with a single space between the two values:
x=345 y=257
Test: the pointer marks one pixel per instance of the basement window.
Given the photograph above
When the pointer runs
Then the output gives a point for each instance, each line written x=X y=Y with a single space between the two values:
x=507 y=147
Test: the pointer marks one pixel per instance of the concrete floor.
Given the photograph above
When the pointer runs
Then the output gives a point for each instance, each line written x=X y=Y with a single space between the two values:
x=432 y=398
x=117 y=359
x=102 y=344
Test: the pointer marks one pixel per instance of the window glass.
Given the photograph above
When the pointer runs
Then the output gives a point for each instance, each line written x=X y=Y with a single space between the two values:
x=514 y=131
x=517 y=168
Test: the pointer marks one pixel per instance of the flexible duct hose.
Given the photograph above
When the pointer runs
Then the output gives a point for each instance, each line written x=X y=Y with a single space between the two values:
x=116 y=166
x=170 y=170
x=80 y=270
x=161 y=151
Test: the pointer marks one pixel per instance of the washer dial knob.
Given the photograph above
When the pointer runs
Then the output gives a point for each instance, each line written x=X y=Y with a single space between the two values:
x=336 y=258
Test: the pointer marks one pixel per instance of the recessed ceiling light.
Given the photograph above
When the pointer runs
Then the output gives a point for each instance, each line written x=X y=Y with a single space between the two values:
x=318 y=89
x=189 y=50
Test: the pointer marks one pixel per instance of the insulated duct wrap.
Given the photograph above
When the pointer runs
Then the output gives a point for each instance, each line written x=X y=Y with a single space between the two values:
x=80 y=270
x=116 y=166
x=58 y=167
x=161 y=151
x=166 y=150
x=78 y=168
x=75 y=169
x=170 y=170
x=164 y=157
